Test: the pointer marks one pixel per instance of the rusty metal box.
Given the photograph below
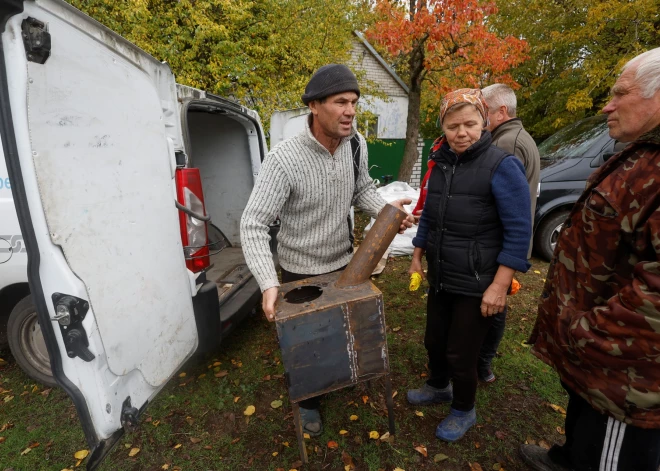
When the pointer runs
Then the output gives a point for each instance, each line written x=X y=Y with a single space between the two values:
x=330 y=337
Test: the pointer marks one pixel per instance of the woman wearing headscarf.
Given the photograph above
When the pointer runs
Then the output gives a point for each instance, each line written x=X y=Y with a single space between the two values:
x=474 y=229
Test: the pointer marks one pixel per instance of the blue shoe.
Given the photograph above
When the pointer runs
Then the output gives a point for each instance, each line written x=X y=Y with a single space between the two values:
x=427 y=395
x=455 y=425
x=311 y=421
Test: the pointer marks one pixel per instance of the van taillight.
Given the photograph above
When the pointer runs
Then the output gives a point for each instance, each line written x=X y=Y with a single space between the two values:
x=194 y=233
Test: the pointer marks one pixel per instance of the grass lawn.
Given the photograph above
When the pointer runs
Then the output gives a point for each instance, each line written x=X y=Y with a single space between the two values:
x=198 y=421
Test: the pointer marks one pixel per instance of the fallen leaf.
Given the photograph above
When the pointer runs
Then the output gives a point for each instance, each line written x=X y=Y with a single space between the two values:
x=475 y=467
x=46 y=392
x=178 y=445
x=353 y=417
x=8 y=398
x=217 y=363
x=133 y=452
x=422 y=449
x=34 y=445
x=399 y=469
x=333 y=445
x=560 y=431
x=2 y=439
x=249 y=411
x=24 y=393
x=544 y=444
x=286 y=444
x=440 y=457
x=266 y=378
x=477 y=445
x=195 y=440
x=557 y=408
x=365 y=399
x=81 y=454
x=6 y=426
x=236 y=399
x=497 y=467
x=26 y=451
x=155 y=423
x=78 y=463
x=35 y=389
x=297 y=464
x=306 y=436
x=385 y=437
x=530 y=441
x=127 y=445
x=396 y=329
x=235 y=440
x=2 y=362
x=343 y=432
x=182 y=375
x=165 y=466
x=394 y=394
x=208 y=447
x=374 y=435
x=276 y=404
x=501 y=435
x=221 y=374
x=348 y=461
x=275 y=453
x=537 y=272
x=423 y=375
x=419 y=413
x=203 y=375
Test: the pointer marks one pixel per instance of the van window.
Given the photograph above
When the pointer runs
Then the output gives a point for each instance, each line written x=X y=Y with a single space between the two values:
x=573 y=140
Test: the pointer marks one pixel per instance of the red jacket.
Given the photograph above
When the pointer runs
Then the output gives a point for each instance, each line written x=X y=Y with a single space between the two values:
x=423 y=187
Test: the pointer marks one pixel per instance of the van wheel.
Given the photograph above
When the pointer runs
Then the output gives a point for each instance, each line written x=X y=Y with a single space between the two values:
x=27 y=343
x=547 y=234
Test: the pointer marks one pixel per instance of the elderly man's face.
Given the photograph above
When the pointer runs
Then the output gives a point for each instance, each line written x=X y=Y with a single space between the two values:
x=629 y=115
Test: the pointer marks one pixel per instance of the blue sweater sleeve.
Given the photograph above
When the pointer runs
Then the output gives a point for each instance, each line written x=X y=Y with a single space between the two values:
x=511 y=192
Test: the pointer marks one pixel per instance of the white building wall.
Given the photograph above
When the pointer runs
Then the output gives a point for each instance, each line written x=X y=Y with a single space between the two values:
x=392 y=112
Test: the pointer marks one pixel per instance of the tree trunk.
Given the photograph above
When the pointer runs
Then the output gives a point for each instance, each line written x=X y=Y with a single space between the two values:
x=417 y=72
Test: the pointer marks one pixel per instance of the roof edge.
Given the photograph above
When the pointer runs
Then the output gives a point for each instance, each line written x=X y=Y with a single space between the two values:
x=382 y=62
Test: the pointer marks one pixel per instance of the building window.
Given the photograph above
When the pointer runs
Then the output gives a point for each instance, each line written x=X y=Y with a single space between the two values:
x=371 y=127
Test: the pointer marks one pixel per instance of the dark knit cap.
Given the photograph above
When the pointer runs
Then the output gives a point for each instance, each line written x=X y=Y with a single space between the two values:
x=330 y=80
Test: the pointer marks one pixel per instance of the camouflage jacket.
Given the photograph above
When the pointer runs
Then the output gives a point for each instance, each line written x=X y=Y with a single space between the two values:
x=598 y=321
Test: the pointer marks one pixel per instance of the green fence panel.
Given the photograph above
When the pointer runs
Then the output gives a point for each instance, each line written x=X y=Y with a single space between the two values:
x=388 y=155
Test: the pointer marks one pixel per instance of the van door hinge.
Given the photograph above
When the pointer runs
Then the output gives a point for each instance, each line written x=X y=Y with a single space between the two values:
x=36 y=40
x=69 y=313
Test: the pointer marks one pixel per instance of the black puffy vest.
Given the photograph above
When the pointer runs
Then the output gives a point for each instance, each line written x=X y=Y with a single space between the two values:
x=465 y=235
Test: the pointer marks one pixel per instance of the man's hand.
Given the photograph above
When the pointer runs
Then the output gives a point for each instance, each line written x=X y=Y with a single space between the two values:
x=268 y=302
x=409 y=220
x=417 y=214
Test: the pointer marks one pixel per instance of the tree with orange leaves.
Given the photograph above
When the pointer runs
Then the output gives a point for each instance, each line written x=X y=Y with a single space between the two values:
x=447 y=43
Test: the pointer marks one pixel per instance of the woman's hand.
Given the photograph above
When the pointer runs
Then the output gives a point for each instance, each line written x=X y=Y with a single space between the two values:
x=416 y=267
x=493 y=300
x=416 y=264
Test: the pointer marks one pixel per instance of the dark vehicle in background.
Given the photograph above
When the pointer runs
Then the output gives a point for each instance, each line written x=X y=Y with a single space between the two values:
x=568 y=157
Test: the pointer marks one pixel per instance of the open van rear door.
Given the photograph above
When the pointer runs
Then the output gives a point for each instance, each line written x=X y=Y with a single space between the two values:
x=89 y=128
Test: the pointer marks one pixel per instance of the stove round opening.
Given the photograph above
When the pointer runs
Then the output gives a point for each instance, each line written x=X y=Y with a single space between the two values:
x=304 y=294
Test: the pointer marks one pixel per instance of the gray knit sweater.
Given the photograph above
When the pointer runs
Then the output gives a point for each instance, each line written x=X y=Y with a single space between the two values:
x=312 y=192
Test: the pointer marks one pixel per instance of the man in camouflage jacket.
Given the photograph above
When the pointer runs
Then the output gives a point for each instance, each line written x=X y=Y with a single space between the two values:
x=598 y=322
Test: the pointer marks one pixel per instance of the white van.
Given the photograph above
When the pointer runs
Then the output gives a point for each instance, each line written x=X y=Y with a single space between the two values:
x=131 y=267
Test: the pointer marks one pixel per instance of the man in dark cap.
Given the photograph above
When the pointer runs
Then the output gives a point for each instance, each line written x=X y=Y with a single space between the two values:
x=310 y=181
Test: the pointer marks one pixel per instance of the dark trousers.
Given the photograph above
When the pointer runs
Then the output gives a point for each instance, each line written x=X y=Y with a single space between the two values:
x=595 y=441
x=288 y=277
x=455 y=330
x=491 y=343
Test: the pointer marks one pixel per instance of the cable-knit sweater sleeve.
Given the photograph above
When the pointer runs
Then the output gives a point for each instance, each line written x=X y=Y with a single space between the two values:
x=269 y=194
x=365 y=196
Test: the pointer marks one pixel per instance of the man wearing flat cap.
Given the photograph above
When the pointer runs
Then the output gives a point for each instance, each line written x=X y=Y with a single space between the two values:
x=310 y=181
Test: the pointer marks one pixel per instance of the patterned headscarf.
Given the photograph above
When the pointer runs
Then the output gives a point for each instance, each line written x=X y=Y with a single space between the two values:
x=472 y=96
